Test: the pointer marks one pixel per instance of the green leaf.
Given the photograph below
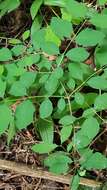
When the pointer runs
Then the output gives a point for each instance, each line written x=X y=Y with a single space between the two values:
x=99 y=20
x=77 y=54
x=61 y=104
x=27 y=79
x=35 y=25
x=59 y=3
x=26 y=35
x=96 y=161
x=71 y=83
x=75 y=182
x=65 y=133
x=17 y=89
x=79 y=98
x=89 y=37
x=51 y=37
x=18 y=50
x=101 y=102
x=24 y=114
x=76 y=9
x=88 y=131
x=102 y=2
x=101 y=55
x=5 y=117
x=35 y=8
x=58 y=162
x=45 y=129
x=89 y=112
x=67 y=120
x=43 y=147
x=46 y=108
x=5 y=54
x=11 y=131
x=98 y=82
x=76 y=71
x=2 y=88
x=51 y=85
x=50 y=48
x=14 y=41
x=1 y=69
x=61 y=28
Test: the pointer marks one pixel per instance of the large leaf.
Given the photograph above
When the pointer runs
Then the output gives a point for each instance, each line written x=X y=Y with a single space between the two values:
x=17 y=89
x=27 y=79
x=89 y=37
x=61 y=28
x=101 y=102
x=5 y=117
x=58 y=162
x=43 y=147
x=99 y=20
x=24 y=114
x=77 y=54
x=35 y=7
x=76 y=9
x=46 y=108
x=45 y=129
x=98 y=82
x=5 y=54
x=88 y=131
x=96 y=161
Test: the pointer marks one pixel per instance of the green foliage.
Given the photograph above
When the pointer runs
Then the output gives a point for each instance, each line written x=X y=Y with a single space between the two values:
x=58 y=162
x=24 y=114
x=53 y=88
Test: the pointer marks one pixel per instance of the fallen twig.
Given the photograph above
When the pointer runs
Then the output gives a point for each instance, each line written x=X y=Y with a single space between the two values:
x=23 y=169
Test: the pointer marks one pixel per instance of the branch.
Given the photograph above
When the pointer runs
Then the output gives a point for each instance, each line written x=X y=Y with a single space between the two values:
x=35 y=172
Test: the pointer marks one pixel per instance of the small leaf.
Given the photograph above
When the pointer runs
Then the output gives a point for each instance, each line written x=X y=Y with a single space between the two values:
x=89 y=37
x=79 y=98
x=75 y=182
x=14 y=41
x=5 y=117
x=11 y=132
x=67 y=120
x=65 y=133
x=61 y=104
x=5 y=54
x=2 y=88
x=45 y=129
x=77 y=54
x=24 y=114
x=46 y=109
x=35 y=8
x=89 y=112
x=43 y=147
x=71 y=84
x=58 y=162
x=101 y=102
x=26 y=35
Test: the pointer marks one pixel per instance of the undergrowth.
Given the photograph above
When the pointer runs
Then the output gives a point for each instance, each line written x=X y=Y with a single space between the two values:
x=58 y=91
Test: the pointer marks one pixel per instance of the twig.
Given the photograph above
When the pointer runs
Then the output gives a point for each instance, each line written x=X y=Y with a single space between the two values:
x=35 y=172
